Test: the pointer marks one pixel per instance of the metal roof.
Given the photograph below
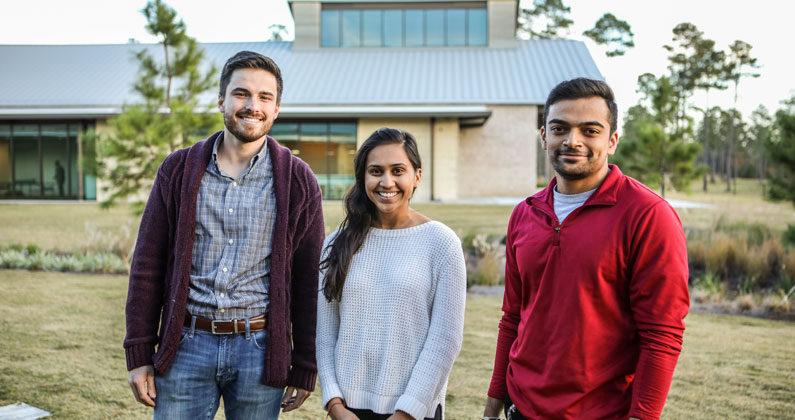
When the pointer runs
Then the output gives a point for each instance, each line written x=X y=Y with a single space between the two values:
x=100 y=77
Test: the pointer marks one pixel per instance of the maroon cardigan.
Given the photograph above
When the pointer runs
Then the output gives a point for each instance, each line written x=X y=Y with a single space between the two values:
x=160 y=271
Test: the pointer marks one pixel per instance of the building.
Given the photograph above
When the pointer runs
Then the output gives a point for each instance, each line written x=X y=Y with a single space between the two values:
x=451 y=72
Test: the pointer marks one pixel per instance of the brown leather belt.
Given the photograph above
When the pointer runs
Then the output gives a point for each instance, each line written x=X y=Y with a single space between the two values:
x=235 y=326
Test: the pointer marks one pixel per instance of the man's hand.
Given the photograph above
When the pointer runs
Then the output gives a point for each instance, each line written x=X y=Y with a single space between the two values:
x=400 y=415
x=142 y=382
x=293 y=398
x=493 y=407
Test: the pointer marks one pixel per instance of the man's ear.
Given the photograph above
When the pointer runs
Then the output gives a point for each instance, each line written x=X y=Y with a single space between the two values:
x=543 y=138
x=612 y=144
x=221 y=103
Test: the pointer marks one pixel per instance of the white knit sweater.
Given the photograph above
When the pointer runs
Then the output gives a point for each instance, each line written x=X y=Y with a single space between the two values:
x=391 y=343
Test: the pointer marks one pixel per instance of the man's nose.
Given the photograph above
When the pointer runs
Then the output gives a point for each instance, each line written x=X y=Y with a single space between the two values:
x=573 y=139
x=252 y=104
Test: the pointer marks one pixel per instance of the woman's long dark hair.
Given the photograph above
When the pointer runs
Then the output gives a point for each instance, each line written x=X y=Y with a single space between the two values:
x=359 y=211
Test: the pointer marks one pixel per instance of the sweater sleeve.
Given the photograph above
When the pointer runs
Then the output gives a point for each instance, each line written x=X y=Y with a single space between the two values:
x=147 y=277
x=444 y=337
x=659 y=299
x=509 y=324
x=328 y=325
x=306 y=259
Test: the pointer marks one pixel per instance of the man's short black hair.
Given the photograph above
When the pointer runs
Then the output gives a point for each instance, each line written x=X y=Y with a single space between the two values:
x=583 y=87
x=251 y=60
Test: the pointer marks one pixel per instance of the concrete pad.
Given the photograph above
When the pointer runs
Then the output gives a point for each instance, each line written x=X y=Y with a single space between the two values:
x=21 y=411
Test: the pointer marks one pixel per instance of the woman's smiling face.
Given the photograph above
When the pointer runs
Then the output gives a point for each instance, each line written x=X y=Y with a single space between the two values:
x=390 y=180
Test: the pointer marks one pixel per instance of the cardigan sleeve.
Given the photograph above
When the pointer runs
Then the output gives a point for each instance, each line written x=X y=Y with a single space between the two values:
x=147 y=277
x=660 y=300
x=328 y=326
x=444 y=337
x=509 y=324
x=306 y=259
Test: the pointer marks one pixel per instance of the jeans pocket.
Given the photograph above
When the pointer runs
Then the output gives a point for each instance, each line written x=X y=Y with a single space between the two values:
x=185 y=335
x=259 y=339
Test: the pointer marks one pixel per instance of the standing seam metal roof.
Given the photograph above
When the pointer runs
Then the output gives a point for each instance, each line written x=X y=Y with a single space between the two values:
x=103 y=75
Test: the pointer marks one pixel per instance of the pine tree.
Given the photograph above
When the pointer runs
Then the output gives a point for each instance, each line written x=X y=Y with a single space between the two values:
x=781 y=154
x=651 y=148
x=167 y=118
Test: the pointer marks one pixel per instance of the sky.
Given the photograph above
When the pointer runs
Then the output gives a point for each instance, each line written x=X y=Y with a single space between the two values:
x=765 y=24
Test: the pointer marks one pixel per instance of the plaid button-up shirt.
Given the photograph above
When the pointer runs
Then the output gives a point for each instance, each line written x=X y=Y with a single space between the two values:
x=235 y=218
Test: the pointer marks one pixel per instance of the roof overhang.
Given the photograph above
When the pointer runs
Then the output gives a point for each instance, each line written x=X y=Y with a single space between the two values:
x=36 y=113
x=383 y=111
x=469 y=113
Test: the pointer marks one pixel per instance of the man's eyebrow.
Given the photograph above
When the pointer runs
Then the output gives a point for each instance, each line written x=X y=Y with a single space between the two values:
x=582 y=124
x=263 y=92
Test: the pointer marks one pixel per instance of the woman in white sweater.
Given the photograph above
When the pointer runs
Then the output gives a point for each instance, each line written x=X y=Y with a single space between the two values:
x=391 y=307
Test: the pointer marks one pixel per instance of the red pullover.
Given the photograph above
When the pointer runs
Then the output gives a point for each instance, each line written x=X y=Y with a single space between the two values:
x=594 y=307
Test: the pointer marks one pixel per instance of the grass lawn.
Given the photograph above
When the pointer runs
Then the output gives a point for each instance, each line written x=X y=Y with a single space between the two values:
x=69 y=227
x=62 y=334
x=747 y=206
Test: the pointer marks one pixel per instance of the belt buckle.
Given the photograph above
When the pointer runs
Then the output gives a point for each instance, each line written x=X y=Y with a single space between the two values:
x=214 y=331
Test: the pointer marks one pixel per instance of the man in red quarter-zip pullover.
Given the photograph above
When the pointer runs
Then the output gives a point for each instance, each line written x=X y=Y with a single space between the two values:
x=595 y=280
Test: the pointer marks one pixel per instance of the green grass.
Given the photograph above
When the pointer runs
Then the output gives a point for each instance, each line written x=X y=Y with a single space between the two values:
x=71 y=227
x=62 y=334
x=747 y=206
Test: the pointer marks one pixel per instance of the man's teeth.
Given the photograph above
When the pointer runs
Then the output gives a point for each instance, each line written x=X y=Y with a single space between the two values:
x=386 y=194
x=251 y=119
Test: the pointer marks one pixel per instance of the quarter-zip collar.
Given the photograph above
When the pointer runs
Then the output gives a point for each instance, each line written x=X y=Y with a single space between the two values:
x=605 y=194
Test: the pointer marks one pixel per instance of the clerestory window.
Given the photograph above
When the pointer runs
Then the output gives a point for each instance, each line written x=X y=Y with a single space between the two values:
x=423 y=25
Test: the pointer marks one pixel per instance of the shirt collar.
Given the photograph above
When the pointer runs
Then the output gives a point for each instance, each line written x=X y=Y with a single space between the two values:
x=262 y=154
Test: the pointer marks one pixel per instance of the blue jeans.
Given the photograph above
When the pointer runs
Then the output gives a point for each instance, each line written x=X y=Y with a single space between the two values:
x=209 y=366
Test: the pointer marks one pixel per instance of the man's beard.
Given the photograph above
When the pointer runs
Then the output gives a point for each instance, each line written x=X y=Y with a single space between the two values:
x=582 y=171
x=232 y=122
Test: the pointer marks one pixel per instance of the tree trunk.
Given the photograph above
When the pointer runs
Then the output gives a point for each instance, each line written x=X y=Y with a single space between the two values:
x=729 y=154
x=706 y=143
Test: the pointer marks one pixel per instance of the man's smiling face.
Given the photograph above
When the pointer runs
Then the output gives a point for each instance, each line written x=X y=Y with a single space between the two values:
x=577 y=139
x=249 y=104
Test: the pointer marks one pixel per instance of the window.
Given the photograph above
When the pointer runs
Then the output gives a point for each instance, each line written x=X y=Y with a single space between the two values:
x=371 y=23
x=415 y=28
x=351 y=28
x=327 y=147
x=456 y=27
x=393 y=28
x=476 y=28
x=330 y=25
x=41 y=161
x=343 y=26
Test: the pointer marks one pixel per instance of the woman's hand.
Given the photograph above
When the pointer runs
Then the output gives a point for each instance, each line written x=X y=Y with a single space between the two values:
x=339 y=411
x=400 y=415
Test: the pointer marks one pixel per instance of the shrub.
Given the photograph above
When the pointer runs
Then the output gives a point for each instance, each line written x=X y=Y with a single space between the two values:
x=764 y=264
x=91 y=262
x=486 y=270
x=697 y=255
x=710 y=285
x=788 y=237
x=745 y=302
x=727 y=258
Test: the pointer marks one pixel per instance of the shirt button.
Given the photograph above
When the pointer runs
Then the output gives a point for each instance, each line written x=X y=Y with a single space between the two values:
x=231 y=210
x=231 y=241
x=222 y=295
x=234 y=184
x=224 y=270
x=222 y=310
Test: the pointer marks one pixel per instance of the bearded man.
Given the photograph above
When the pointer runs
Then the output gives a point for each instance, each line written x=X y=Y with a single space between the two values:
x=223 y=285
